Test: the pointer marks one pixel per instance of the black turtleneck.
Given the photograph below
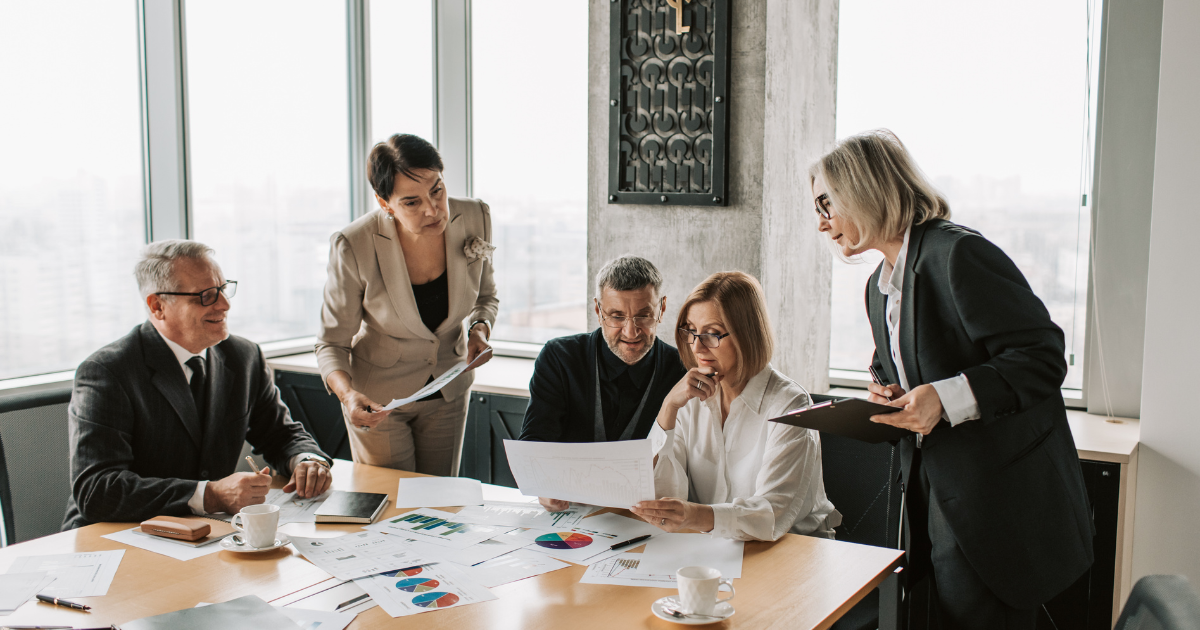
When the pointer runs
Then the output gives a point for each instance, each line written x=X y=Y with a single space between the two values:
x=622 y=387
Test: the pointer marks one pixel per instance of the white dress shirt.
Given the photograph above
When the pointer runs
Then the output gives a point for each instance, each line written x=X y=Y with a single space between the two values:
x=958 y=401
x=196 y=503
x=762 y=479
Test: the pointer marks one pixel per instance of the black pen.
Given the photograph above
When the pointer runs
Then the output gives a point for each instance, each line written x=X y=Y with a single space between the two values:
x=631 y=541
x=62 y=602
x=876 y=379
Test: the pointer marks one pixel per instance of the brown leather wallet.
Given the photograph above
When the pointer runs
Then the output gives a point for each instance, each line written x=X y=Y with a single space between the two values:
x=175 y=527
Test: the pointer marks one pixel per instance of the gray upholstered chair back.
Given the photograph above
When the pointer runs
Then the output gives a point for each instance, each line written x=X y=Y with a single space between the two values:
x=33 y=435
x=1161 y=602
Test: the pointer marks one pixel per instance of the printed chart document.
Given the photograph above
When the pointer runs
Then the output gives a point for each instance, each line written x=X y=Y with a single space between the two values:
x=608 y=474
x=418 y=492
x=422 y=589
x=591 y=541
x=625 y=570
x=357 y=555
x=667 y=553
x=523 y=514
x=437 y=527
x=294 y=510
x=18 y=588
x=474 y=554
x=75 y=574
x=511 y=567
x=438 y=383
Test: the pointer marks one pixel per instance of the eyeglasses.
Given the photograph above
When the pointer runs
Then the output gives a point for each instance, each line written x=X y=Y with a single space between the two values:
x=708 y=340
x=208 y=297
x=823 y=207
x=614 y=321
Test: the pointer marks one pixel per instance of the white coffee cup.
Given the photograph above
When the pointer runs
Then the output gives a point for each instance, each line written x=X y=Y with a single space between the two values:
x=698 y=589
x=257 y=524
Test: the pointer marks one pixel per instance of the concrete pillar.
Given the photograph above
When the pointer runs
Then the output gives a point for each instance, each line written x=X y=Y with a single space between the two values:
x=782 y=82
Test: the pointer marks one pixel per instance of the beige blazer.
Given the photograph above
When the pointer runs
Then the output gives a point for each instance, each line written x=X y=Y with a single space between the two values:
x=370 y=325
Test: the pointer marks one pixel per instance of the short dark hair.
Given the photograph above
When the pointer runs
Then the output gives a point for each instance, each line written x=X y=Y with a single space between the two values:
x=401 y=154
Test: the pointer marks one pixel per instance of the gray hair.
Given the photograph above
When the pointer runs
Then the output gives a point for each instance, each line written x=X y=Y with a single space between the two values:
x=155 y=268
x=628 y=273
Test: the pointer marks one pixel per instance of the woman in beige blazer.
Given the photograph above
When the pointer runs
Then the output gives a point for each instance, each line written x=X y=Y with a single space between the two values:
x=410 y=294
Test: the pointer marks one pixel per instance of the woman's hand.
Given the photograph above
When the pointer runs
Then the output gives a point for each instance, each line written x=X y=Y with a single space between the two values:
x=672 y=515
x=364 y=412
x=477 y=343
x=697 y=383
x=553 y=505
x=884 y=394
x=922 y=410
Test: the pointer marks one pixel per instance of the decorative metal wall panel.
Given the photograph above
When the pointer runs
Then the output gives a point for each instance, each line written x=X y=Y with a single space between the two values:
x=668 y=102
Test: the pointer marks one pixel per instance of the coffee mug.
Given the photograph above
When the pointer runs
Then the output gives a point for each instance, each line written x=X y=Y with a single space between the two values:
x=257 y=523
x=698 y=589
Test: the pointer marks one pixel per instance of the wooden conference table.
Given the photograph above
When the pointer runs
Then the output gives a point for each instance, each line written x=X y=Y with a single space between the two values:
x=795 y=582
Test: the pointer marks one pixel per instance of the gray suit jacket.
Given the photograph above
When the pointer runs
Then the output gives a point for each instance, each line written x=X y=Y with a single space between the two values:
x=138 y=445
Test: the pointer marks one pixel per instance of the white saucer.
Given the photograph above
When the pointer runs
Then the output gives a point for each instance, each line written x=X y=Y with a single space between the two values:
x=722 y=612
x=227 y=543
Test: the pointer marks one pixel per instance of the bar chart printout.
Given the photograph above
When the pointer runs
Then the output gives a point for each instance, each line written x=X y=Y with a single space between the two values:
x=608 y=474
x=439 y=528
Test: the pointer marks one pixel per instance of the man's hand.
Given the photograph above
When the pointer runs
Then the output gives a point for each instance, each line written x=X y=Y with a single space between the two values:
x=922 y=410
x=884 y=394
x=553 y=505
x=236 y=491
x=309 y=479
x=672 y=515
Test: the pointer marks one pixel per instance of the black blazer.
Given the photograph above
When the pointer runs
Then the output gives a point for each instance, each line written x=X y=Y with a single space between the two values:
x=137 y=444
x=562 y=396
x=1009 y=483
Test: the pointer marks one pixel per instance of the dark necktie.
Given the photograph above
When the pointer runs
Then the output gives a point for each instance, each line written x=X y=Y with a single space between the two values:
x=196 y=364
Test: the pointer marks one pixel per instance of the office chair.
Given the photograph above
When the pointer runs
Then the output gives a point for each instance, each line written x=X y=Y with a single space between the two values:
x=8 y=530
x=1161 y=601
x=36 y=470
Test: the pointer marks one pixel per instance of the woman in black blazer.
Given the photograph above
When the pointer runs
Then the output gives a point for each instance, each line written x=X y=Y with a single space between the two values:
x=995 y=499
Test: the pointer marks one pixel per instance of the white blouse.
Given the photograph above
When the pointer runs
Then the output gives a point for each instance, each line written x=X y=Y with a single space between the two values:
x=762 y=479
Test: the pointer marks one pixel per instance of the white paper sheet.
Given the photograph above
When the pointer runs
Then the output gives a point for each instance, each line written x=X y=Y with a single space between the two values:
x=439 y=382
x=18 y=588
x=311 y=619
x=667 y=553
x=609 y=474
x=479 y=552
x=294 y=510
x=357 y=555
x=161 y=545
x=437 y=527
x=342 y=597
x=75 y=574
x=510 y=567
x=523 y=515
x=591 y=541
x=624 y=570
x=419 y=492
x=492 y=492
x=423 y=589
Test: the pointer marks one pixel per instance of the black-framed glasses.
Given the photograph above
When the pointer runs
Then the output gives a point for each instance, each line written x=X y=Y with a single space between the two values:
x=822 y=207
x=208 y=297
x=708 y=340
x=644 y=322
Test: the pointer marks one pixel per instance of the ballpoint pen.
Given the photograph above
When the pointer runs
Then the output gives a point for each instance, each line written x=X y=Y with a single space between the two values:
x=62 y=602
x=879 y=381
x=631 y=541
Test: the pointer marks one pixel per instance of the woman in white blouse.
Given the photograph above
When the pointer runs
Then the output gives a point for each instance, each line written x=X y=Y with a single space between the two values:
x=720 y=466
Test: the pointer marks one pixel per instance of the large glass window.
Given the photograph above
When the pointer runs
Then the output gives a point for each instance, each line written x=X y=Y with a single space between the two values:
x=401 y=68
x=529 y=151
x=72 y=216
x=993 y=101
x=267 y=111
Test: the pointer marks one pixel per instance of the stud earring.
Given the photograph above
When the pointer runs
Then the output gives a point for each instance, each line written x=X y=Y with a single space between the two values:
x=389 y=216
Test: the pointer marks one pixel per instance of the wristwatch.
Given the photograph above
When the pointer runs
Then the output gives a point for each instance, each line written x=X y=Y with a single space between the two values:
x=311 y=457
x=487 y=335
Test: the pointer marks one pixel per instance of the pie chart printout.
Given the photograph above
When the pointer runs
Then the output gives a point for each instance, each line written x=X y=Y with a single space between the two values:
x=435 y=600
x=564 y=540
x=417 y=585
x=411 y=571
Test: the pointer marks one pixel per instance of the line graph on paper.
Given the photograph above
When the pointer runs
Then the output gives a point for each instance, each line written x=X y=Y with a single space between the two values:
x=610 y=474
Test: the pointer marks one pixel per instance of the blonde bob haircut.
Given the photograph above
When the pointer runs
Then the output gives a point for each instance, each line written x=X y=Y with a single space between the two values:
x=874 y=184
x=739 y=298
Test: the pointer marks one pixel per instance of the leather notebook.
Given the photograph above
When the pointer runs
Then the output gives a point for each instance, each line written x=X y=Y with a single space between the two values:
x=351 y=507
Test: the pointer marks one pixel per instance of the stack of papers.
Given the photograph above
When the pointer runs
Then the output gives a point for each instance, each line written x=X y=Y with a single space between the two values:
x=357 y=555
x=75 y=574
x=438 y=528
x=18 y=588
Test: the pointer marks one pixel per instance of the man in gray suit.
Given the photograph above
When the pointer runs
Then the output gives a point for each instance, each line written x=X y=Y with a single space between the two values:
x=157 y=418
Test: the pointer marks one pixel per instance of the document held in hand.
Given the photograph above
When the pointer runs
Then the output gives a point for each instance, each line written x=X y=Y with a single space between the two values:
x=608 y=474
x=438 y=383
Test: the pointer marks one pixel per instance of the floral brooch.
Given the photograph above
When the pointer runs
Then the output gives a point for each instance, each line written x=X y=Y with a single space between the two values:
x=476 y=248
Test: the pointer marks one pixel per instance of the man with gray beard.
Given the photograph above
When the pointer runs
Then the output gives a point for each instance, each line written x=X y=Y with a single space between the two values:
x=608 y=384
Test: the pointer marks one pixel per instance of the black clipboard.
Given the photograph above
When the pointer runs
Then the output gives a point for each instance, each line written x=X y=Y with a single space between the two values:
x=850 y=417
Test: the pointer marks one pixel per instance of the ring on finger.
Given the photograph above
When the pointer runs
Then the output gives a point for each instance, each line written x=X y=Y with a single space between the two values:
x=699 y=385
